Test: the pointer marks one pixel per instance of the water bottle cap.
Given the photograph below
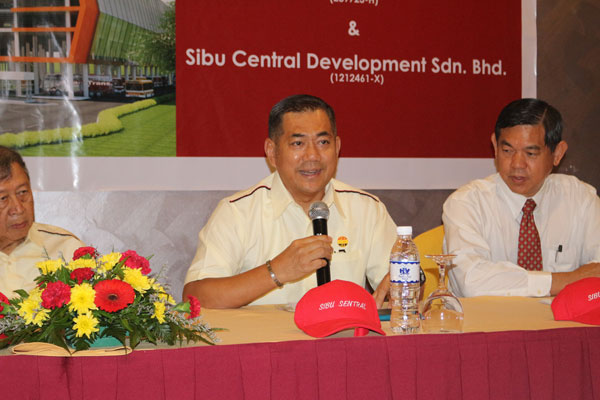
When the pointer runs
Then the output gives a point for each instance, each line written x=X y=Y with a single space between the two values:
x=404 y=230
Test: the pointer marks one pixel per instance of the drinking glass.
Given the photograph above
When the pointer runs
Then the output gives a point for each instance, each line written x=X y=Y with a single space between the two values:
x=442 y=311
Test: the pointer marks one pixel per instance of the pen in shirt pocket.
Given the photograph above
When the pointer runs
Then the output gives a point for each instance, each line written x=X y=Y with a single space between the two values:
x=559 y=250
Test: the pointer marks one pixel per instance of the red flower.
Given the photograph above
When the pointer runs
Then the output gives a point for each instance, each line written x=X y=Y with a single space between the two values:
x=85 y=251
x=113 y=295
x=82 y=274
x=56 y=294
x=194 y=307
x=3 y=299
x=134 y=260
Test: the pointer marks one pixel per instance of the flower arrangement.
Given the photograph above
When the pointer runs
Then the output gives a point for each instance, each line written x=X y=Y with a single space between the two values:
x=95 y=296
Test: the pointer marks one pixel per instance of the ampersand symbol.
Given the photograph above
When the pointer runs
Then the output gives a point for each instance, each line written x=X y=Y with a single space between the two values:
x=352 y=31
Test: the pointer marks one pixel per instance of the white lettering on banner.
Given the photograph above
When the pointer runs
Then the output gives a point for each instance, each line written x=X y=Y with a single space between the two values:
x=353 y=69
x=204 y=58
x=313 y=61
x=481 y=67
x=241 y=59
x=352 y=31
x=341 y=77
x=446 y=67
x=371 y=2
x=593 y=296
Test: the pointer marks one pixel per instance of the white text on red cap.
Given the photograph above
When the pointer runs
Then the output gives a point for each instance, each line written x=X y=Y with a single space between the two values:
x=593 y=296
x=342 y=303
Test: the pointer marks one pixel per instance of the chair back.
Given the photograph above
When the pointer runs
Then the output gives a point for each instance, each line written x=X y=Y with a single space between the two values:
x=430 y=242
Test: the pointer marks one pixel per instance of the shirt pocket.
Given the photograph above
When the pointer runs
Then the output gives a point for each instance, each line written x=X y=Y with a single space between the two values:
x=347 y=266
x=564 y=258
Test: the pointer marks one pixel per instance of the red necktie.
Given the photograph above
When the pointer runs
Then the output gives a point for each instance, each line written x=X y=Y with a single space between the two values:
x=530 y=249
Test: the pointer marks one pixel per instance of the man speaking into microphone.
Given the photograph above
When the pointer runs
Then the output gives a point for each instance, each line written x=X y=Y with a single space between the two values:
x=318 y=214
x=258 y=246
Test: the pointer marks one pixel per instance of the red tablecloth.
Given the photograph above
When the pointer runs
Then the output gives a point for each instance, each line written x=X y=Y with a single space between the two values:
x=558 y=363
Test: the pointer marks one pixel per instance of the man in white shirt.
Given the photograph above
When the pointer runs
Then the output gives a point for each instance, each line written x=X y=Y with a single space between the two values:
x=24 y=242
x=258 y=246
x=483 y=220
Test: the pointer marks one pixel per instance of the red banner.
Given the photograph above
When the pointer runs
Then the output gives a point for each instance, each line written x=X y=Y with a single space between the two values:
x=406 y=79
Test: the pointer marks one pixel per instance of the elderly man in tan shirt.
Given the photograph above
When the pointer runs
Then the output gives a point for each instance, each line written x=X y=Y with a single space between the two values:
x=24 y=242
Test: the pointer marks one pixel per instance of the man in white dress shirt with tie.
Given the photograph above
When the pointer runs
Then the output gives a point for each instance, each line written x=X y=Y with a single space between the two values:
x=523 y=231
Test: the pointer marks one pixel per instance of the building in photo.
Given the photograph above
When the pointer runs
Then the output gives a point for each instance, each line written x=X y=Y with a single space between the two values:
x=75 y=47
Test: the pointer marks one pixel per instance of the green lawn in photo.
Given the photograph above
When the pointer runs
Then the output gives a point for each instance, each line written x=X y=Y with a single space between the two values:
x=146 y=133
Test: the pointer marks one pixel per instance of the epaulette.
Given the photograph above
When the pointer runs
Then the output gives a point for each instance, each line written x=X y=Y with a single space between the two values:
x=58 y=233
x=358 y=192
x=250 y=193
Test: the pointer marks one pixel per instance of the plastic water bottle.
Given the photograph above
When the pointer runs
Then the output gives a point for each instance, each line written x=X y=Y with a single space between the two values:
x=404 y=277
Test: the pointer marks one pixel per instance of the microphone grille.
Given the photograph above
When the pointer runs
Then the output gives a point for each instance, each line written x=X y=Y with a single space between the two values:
x=318 y=210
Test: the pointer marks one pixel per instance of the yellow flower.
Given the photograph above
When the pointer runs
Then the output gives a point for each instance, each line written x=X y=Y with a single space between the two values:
x=82 y=298
x=85 y=324
x=159 y=311
x=36 y=294
x=134 y=277
x=49 y=266
x=41 y=316
x=32 y=311
x=82 y=263
x=27 y=310
x=28 y=306
x=108 y=261
x=162 y=293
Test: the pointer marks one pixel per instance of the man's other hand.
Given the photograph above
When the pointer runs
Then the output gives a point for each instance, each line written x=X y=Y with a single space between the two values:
x=382 y=290
x=562 y=279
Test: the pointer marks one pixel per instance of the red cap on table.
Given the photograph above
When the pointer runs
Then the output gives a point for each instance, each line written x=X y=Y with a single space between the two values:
x=579 y=301
x=336 y=306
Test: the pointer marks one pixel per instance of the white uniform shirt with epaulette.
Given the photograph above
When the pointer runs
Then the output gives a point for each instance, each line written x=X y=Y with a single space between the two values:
x=257 y=224
x=43 y=242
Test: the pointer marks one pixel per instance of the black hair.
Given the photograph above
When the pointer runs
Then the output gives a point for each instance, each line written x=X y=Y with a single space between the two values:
x=532 y=112
x=7 y=158
x=297 y=103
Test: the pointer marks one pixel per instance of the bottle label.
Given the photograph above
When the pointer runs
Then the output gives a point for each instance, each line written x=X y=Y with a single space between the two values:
x=404 y=271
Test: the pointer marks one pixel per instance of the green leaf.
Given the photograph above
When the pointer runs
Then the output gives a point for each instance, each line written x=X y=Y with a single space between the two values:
x=22 y=293
x=57 y=339
x=116 y=332
x=134 y=339
x=8 y=309
x=81 y=344
x=182 y=307
x=126 y=324
x=63 y=274
x=149 y=335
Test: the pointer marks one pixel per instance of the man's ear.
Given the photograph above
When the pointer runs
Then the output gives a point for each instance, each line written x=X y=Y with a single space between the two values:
x=494 y=143
x=559 y=152
x=270 y=152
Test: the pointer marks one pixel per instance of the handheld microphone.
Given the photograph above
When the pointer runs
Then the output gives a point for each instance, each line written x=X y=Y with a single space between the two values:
x=319 y=213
